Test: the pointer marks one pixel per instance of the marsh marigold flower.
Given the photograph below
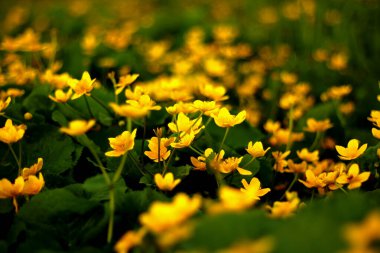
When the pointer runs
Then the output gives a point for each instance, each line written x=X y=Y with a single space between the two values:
x=83 y=86
x=60 y=96
x=353 y=177
x=32 y=170
x=78 y=127
x=256 y=150
x=352 y=151
x=122 y=143
x=4 y=104
x=317 y=126
x=155 y=154
x=129 y=111
x=167 y=182
x=376 y=133
x=230 y=164
x=254 y=188
x=312 y=180
x=11 y=133
x=308 y=156
x=184 y=140
x=232 y=200
x=162 y=216
x=130 y=240
x=124 y=81
x=185 y=124
x=285 y=208
x=206 y=107
x=224 y=119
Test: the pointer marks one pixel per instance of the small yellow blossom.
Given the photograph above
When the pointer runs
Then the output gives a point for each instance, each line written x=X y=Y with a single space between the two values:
x=223 y=118
x=155 y=154
x=232 y=200
x=206 y=107
x=4 y=104
x=352 y=151
x=124 y=81
x=180 y=107
x=317 y=126
x=9 y=190
x=83 y=86
x=32 y=170
x=254 y=188
x=11 y=133
x=122 y=143
x=28 y=116
x=285 y=208
x=256 y=150
x=185 y=124
x=130 y=240
x=282 y=136
x=144 y=102
x=167 y=182
x=60 y=96
x=129 y=110
x=353 y=177
x=308 y=156
x=296 y=167
x=162 y=216
x=280 y=163
x=184 y=140
x=376 y=133
x=272 y=126
x=214 y=92
x=313 y=181
x=33 y=185
x=77 y=127
x=230 y=164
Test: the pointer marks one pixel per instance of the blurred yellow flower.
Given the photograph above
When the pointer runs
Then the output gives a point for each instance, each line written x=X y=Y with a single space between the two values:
x=4 y=104
x=81 y=87
x=285 y=208
x=124 y=81
x=121 y=143
x=256 y=150
x=9 y=190
x=317 y=126
x=376 y=133
x=144 y=102
x=129 y=111
x=184 y=140
x=167 y=182
x=230 y=164
x=232 y=200
x=130 y=240
x=352 y=151
x=312 y=181
x=60 y=96
x=77 y=127
x=162 y=216
x=11 y=133
x=353 y=177
x=33 y=185
x=223 y=118
x=206 y=107
x=308 y=156
x=32 y=170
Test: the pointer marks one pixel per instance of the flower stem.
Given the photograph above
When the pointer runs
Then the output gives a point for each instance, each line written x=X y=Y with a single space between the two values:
x=15 y=157
x=291 y=185
x=224 y=139
x=112 y=212
x=195 y=150
x=169 y=160
x=316 y=141
x=88 y=107
x=250 y=161
x=101 y=103
x=120 y=168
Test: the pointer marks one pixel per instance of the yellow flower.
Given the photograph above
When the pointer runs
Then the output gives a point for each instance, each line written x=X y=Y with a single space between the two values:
x=4 y=104
x=317 y=126
x=129 y=111
x=26 y=172
x=124 y=81
x=280 y=163
x=214 y=92
x=296 y=167
x=312 y=180
x=281 y=137
x=305 y=155
x=162 y=216
x=206 y=107
x=352 y=151
x=77 y=127
x=9 y=190
x=232 y=199
x=180 y=107
x=28 y=116
x=33 y=185
x=11 y=133
x=376 y=133
x=144 y=102
x=83 y=86
x=184 y=124
x=185 y=140
x=224 y=119
x=122 y=143
x=130 y=240
x=271 y=126
x=163 y=153
x=353 y=178
x=60 y=96
x=285 y=208
x=257 y=149
x=167 y=182
x=230 y=164
x=254 y=188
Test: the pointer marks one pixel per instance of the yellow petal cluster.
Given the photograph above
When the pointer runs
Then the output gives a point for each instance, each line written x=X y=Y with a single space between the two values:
x=223 y=118
x=162 y=216
x=158 y=150
x=167 y=182
x=122 y=143
x=4 y=104
x=77 y=127
x=60 y=96
x=256 y=150
x=352 y=151
x=83 y=86
x=11 y=133
x=317 y=126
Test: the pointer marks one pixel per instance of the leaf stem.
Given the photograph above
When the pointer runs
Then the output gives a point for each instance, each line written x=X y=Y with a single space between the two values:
x=15 y=157
x=88 y=107
x=223 y=140
x=291 y=121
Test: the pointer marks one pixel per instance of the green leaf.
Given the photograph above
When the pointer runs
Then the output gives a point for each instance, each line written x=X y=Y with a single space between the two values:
x=38 y=99
x=99 y=190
